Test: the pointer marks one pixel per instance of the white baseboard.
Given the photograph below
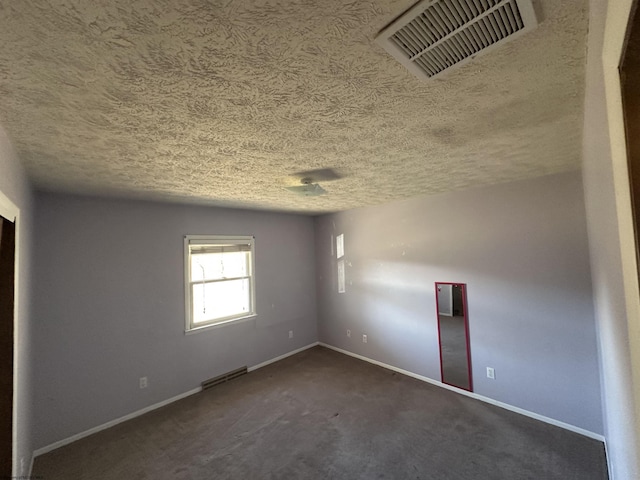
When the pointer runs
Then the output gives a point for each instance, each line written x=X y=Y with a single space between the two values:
x=506 y=406
x=104 y=426
x=273 y=360
x=609 y=466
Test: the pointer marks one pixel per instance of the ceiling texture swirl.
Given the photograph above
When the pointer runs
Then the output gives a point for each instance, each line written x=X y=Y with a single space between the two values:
x=220 y=102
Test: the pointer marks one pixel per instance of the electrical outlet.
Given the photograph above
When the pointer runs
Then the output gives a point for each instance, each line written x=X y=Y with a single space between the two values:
x=290 y=333
x=144 y=382
x=349 y=333
x=491 y=373
x=364 y=339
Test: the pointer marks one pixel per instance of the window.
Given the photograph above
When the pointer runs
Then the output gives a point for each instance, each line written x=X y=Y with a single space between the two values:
x=219 y=284
x=340 y=245
x=342 y=287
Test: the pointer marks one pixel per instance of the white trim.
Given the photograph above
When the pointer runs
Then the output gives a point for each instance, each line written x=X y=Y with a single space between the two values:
x=104 y=426
x=619 y=14
x=11 y=212
x=506 y=406
x=606 y=455
x=281 y=357
x=219 y=324
x=8 y=209
x=33 y=457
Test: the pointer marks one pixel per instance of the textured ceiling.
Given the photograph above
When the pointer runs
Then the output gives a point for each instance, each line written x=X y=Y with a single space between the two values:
x=217 y=102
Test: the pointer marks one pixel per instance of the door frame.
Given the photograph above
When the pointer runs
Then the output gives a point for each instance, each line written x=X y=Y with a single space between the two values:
x=11 y=212
x=619 y=15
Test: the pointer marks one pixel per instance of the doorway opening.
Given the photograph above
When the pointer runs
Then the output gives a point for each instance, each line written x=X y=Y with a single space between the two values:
x=629 y=81
x=7 y=286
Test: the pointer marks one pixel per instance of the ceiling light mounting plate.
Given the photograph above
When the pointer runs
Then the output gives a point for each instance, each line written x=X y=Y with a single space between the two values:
x=309 y=178
x=308 y=190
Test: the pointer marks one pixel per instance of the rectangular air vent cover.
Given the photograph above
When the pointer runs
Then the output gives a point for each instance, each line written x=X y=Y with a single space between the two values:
x=435 y=35
x=225 y=377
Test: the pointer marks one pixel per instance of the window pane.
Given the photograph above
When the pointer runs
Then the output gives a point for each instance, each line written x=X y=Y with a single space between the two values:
x=340 y=245
x=220 y=299
x=341 y=277
x=210 y=266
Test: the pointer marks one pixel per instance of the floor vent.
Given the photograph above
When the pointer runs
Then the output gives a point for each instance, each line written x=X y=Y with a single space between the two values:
x=225 y=377
x=435 y=35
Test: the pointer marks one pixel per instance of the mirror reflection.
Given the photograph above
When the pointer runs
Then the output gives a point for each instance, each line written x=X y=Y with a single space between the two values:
x=453 y=334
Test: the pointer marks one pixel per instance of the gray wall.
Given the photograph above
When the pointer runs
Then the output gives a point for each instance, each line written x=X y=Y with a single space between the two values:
x=522 y=250
x=109 y=303
x=606 y=266
x=14 y=185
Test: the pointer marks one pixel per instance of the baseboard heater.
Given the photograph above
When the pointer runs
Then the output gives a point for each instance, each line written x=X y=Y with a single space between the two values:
x=225 y=377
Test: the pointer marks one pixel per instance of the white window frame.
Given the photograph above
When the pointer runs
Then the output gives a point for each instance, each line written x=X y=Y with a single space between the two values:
x=189 y=240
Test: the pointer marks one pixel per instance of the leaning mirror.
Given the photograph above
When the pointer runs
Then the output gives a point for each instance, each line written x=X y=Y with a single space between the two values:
x=453 y=335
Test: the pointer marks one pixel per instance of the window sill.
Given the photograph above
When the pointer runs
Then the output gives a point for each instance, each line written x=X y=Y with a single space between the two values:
x=219 y=324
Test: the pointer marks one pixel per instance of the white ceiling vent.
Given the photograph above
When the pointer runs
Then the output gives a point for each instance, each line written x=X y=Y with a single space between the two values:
x=435 y=35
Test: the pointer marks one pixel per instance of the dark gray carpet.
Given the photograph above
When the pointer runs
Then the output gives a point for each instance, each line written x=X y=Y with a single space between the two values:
x=321 y=414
